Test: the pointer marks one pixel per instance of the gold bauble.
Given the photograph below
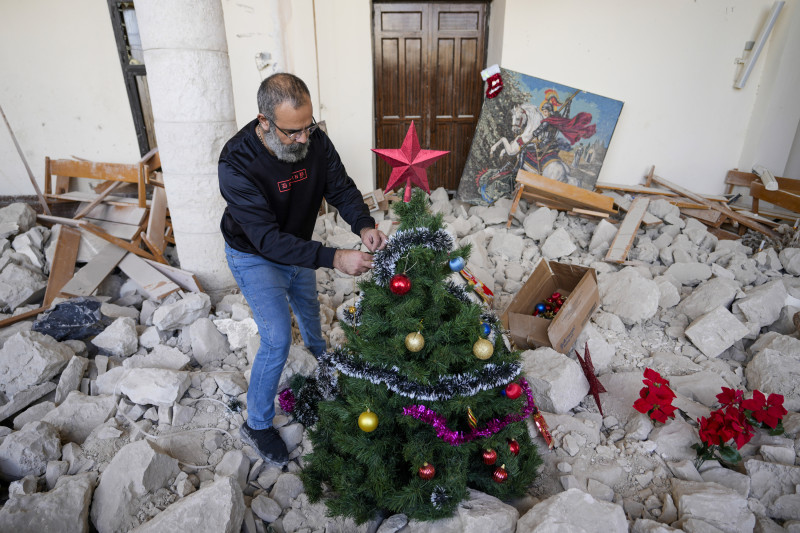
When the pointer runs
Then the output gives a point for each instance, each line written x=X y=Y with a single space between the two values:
x=368 y=421
x=415 y=341
x=352 y=309
x=483 y=349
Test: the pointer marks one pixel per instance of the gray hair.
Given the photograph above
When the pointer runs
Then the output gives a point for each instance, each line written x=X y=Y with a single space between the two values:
x=280 y=88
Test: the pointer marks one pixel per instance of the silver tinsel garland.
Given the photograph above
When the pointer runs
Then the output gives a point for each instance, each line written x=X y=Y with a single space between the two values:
x=384 y=262
x=447 y=387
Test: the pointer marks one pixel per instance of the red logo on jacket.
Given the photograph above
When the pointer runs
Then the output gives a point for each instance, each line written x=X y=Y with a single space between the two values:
x=286 y=185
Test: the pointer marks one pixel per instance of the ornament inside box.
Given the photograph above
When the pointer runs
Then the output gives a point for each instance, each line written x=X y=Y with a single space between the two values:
x=579 y=286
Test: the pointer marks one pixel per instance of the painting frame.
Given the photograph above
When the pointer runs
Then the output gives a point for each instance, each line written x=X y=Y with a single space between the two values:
x=545 y=127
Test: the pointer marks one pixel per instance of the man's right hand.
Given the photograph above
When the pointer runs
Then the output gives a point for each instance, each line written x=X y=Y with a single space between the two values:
x=352 y=262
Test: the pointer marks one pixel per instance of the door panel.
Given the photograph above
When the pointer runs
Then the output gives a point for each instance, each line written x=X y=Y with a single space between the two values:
x=428 y=58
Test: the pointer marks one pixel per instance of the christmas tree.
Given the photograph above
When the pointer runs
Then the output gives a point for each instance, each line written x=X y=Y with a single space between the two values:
x=425 y=399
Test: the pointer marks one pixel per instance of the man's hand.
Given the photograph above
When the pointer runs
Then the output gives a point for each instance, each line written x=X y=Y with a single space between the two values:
x=352 y=262
x=373 y=239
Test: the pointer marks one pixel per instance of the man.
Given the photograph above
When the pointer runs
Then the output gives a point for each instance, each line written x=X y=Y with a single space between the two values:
x=274 y=174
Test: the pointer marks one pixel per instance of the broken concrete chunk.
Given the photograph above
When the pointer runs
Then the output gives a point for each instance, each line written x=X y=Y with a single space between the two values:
x=234 y=464
x=238 y=332
x=182 y=312
x=762 y=305
x=539 y=224
x=713 y=504
x=208 y=344
x=628 y=295
x=772 y=371
x=715 y=331
x=690 y=274
x=154 y=386
x=71 y=377
x=27 y=452
x=558 y=244
x=79 y=414
x=119 y=339
x=557 y=382
x=287 y=487
x=137 y=469
x=65 y=508
x=20 y=286
x=557 y=513
x=29 y=358
x=160 y=357
x=16 y=218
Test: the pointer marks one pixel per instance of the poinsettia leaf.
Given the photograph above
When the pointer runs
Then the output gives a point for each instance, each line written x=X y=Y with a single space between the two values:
x=778 y=430
x=729 y=454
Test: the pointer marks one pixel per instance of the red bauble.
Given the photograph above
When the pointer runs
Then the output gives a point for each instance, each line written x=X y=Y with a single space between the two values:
x=513 y=447
x=427 y=471
x=500 y=474
x=400 y=284
x=489 y=456
x=513 y=391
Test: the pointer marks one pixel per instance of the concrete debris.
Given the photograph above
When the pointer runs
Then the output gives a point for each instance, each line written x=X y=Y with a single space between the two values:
x=158 y=382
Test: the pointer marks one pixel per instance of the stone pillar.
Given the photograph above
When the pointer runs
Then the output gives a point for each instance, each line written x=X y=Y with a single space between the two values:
x=189 y=78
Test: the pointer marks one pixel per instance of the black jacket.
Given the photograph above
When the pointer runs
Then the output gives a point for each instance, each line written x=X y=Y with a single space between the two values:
x=273 y=205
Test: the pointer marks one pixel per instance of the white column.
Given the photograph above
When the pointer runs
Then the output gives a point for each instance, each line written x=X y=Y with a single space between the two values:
x=189 y=77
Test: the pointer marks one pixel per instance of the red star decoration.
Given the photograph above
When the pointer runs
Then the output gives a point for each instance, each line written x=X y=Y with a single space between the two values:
x=409 y=163
x=595 y=387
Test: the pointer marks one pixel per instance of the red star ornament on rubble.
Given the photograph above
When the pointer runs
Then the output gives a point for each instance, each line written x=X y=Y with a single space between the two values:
x=409 y=163
x=595 y=387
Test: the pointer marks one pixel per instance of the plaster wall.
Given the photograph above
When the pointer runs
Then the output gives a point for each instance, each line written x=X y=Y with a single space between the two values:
x=61 y=88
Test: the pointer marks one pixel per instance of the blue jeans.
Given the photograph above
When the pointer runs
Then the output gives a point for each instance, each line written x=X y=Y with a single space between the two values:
x=270 y=288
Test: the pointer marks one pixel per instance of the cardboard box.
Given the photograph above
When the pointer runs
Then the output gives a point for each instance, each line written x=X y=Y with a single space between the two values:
x=578 y=283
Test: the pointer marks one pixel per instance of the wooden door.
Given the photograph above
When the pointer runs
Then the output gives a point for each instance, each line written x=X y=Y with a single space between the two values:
x=428 y=57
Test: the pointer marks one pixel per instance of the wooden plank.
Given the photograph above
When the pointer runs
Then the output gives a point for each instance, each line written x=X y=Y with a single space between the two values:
x=100 y=197
x=634 y=189
x=579 y=211
x=563 y=192
x=128 y=214
x=514 y=204
x=94 y=170
x=153 y=249
x=707 y=216
x=625 y=204
x=745 y=179
x=543 y=201
x=621 y=245
x=87 y=279
x=22 y=316
x=114 y=240
x=784 y=199
x=69 y=240
x=120 y=231
x=186 y=280
x=156 y=224
x=85 y=196
x=151 y=281
x=724 y=234
x=750 y=223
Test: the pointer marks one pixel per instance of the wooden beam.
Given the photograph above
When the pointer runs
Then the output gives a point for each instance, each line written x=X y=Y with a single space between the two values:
x=128 y=214
x=87 y=279
x=565 y=193
x=784 y=199
x=156 y=224
x=722 y=208
x=22 y=316
x=63 y=266
x=618 y=251
x=709 y=217
x=514 y=204
x=100 y=197
x=625 y=204
x=91 y=228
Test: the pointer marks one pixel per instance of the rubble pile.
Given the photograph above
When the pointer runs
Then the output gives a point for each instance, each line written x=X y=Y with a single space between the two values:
x=121 y=413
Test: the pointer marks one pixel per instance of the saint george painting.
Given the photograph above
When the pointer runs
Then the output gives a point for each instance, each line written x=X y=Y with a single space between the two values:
x=540 y=126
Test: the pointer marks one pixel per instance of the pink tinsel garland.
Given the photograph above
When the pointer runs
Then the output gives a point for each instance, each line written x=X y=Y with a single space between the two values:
x=457 y=438
x=286 y=400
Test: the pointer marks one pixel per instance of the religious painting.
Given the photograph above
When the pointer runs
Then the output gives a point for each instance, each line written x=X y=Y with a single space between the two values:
x=559 y=132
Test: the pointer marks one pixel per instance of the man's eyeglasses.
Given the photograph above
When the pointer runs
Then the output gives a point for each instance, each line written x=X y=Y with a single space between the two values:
x=294 y=135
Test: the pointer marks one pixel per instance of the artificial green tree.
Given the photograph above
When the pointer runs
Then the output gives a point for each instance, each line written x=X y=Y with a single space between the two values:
x=446 y=419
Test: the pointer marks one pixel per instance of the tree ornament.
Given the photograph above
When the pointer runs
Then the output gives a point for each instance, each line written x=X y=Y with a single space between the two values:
x=415 y=341
x=471 y=420
x=482 y=349
x=595 y=387
x=500 y=474
x=513 y=447
x=457 y=264
x=409 y=163
x=489 y=456
x=352 y=309
x=427 y=471
x=368 y=421
x=400 y=284
x=541 y=308
x=513 y=391
x=486 y=329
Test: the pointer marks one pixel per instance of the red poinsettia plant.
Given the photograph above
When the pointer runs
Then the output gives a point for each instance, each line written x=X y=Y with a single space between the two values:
x=655 y=398
x=735 y=422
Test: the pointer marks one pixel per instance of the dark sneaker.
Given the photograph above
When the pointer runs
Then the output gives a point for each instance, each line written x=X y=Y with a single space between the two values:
x=267 y=442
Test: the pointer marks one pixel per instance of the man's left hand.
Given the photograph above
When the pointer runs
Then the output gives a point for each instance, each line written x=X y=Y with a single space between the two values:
x=373 y=239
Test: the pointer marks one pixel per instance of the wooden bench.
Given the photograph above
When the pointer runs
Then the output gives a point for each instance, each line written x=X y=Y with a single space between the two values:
x=65 y=170
x=787 y=196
